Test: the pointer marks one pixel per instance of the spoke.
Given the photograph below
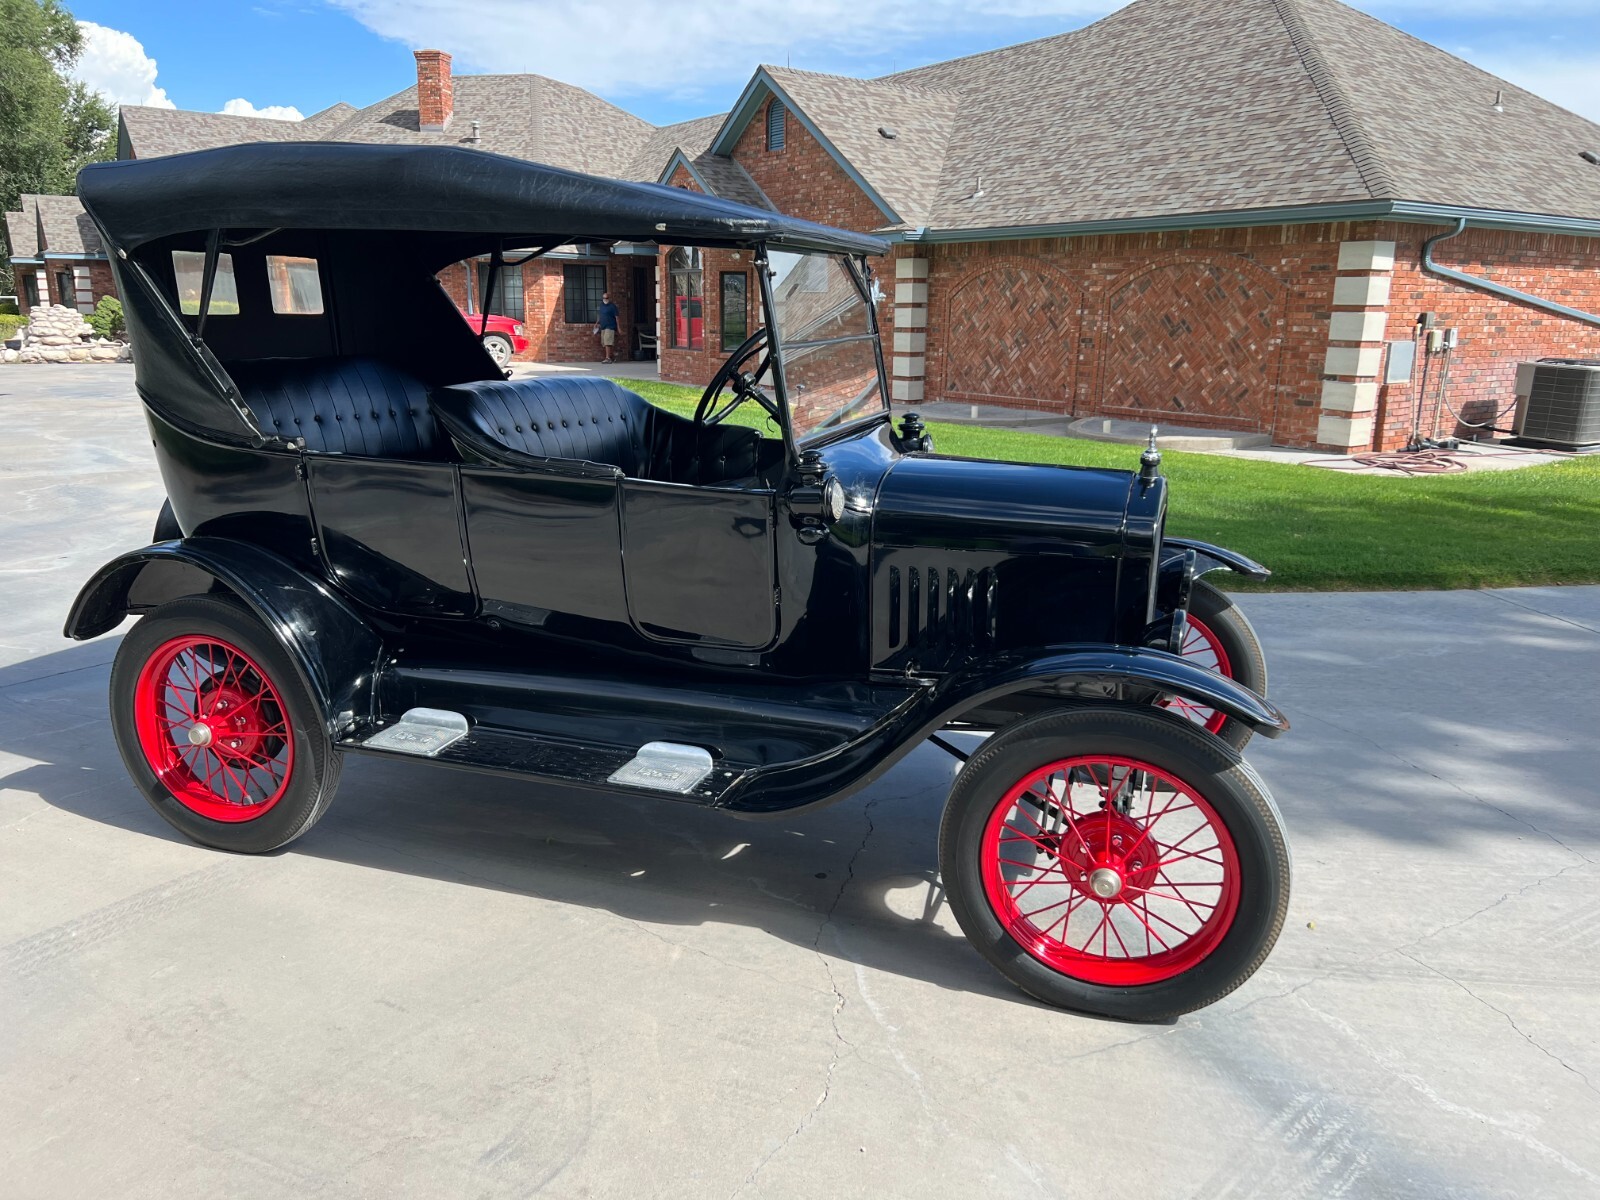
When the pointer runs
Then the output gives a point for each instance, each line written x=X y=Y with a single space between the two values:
x=1112 y=926
x=1187 y=854
x=1179 y=899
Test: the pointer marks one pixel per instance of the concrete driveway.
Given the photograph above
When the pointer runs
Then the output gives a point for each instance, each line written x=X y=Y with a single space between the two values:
x=456 y=986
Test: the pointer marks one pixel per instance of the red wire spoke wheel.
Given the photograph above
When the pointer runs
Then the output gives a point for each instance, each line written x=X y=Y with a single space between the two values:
x=1203 y=649
x=1110 y=870
x=1115 y=860
x=1219 y=639
x=213 y=729
x=218 y=728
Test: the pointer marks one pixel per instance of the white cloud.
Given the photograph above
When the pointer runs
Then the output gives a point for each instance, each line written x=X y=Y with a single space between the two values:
x=114 y=64
x=656 y=45
x=240 y=107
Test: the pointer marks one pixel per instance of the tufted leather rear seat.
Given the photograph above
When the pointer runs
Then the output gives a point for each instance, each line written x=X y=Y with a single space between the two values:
x=593 y=420
x=342 y=406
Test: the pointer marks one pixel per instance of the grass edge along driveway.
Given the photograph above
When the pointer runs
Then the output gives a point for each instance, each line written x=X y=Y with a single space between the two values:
x=1327 y=531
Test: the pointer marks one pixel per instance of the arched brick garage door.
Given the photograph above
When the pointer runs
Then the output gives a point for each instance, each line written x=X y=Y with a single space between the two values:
x=1011 y=337
x=1193 y=343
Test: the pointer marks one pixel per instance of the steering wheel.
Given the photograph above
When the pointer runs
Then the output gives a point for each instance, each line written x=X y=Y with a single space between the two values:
x=745 y=385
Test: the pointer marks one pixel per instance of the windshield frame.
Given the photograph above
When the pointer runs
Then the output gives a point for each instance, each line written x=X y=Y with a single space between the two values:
x=860 y=275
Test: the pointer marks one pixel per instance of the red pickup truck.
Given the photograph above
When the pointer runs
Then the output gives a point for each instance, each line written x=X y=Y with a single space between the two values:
x=501 y=338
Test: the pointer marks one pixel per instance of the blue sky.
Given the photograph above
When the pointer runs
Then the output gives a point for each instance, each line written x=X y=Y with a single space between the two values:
x=668 y=61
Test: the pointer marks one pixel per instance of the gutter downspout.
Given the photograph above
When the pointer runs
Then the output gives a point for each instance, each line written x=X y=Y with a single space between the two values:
x=1496 y=289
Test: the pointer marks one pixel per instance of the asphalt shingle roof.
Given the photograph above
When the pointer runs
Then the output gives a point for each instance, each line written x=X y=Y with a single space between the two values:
x=66 y=228
x=1164 y=109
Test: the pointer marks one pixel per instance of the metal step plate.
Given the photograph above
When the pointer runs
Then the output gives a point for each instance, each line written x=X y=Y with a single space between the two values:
x=421 y=731
x=665 y=767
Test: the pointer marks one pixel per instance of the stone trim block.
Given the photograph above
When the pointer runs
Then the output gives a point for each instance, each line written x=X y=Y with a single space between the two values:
x=1347 y=433
x=1363 y=362
x=910 y=317
x=908 y=366
x=1357 y=327
x=911 y=293
x=1362 y=291
x=1366 y=256
x=910 y=268
x=1349 y=397
x=910 y=343
x=905 y=389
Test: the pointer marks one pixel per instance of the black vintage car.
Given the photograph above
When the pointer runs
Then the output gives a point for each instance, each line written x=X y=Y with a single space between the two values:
x=376 y=543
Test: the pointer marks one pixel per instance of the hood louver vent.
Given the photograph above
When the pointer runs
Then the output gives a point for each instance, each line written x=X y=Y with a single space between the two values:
x=940 y=608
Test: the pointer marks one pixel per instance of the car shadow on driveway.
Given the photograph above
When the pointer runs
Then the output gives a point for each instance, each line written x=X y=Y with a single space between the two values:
x=857 y=880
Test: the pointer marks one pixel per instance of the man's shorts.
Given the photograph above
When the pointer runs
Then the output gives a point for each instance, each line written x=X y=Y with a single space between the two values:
x=608 y=337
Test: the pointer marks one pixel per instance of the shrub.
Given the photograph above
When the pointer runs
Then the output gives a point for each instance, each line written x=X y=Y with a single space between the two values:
x=8 y=306
x=9 y=325
x=106 y=319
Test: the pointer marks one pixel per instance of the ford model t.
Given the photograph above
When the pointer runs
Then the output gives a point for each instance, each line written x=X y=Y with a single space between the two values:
x=376 y=543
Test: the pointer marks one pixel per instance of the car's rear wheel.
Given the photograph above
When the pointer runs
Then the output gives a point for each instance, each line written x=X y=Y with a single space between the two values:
x=1114 y=861
x=1220 y=639
x=499 y=347
x=217 y=729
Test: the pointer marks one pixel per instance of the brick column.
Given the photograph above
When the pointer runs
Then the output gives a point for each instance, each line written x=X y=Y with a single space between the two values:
x=1354 y=360
x=910 y=329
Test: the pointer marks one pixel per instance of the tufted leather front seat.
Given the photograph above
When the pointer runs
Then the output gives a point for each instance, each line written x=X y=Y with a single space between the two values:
x=342 y=406
x=592 y=420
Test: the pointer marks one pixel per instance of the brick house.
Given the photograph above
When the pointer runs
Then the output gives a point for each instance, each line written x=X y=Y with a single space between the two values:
x=56 y=254
x=1190 y=213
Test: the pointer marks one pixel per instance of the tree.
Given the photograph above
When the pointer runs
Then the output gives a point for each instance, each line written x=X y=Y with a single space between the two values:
x=49 y=125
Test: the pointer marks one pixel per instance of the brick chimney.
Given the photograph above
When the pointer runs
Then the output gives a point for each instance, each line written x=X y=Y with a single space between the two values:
x=435 y=93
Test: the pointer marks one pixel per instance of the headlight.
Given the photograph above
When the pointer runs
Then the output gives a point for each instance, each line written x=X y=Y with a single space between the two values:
x=517 y=329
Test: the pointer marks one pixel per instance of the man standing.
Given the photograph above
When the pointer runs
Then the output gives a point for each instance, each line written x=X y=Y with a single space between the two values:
x=607 y=328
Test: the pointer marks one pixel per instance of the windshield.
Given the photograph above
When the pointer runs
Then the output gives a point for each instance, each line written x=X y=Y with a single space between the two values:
x=829 y=352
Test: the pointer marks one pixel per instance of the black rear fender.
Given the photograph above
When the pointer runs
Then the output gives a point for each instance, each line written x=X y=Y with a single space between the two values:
x=335 y=650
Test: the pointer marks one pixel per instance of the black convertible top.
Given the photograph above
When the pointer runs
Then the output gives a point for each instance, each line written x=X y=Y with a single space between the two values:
x=439 y=189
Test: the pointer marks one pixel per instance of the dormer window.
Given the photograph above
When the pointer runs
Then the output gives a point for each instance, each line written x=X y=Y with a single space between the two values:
x=776 y=121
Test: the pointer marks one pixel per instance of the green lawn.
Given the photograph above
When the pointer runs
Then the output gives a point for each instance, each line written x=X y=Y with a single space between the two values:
x=1320 y=530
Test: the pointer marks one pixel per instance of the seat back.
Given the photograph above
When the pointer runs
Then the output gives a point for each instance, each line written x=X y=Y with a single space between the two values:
x=592 y=420
x=358 y=406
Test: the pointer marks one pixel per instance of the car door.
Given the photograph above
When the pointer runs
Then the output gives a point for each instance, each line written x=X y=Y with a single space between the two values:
x=700 y=563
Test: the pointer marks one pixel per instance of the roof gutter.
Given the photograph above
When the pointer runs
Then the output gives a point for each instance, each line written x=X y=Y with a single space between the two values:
x=1363 y=210
x=1496 y=289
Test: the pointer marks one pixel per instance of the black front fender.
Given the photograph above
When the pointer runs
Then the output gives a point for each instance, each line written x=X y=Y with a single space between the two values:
x=1216 y=558
x=336 y=651
x=1076 y=674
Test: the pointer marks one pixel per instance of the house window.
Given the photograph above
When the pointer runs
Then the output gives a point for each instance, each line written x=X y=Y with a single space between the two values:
x=735 y=309
x=65 y=292
x=30 y=290
x=688 y=322
x=189 y=270
x=777 y=120
x=295 y=285
x=507 y=298
x=583 y=288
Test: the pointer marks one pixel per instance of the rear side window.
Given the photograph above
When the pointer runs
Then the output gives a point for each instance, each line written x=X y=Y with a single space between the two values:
x=295 y=285
x=189 y=268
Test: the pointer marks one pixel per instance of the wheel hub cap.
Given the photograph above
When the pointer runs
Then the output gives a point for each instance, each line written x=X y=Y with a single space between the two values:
x=1105 y=883
x=199 y=734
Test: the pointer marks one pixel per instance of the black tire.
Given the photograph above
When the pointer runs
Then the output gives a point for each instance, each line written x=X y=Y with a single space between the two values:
x=1168 y=743
x=1247 y=664
x=312 y=774
x=499 y=347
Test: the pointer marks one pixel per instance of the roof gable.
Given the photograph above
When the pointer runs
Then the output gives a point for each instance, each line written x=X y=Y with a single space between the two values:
x=766 y=83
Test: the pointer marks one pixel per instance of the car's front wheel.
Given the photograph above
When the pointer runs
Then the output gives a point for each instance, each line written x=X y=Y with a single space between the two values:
x=217 y=729
x=499 y=347
x=1115 y=861
x=1221 y=639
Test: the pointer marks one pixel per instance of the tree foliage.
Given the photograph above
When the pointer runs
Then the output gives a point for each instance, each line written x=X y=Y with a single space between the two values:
x=49 y=125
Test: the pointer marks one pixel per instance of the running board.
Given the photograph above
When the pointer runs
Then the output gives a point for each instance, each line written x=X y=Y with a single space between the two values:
x=666 y=769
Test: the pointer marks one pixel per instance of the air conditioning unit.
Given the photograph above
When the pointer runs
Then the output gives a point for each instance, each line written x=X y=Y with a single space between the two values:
x=1558 y=403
